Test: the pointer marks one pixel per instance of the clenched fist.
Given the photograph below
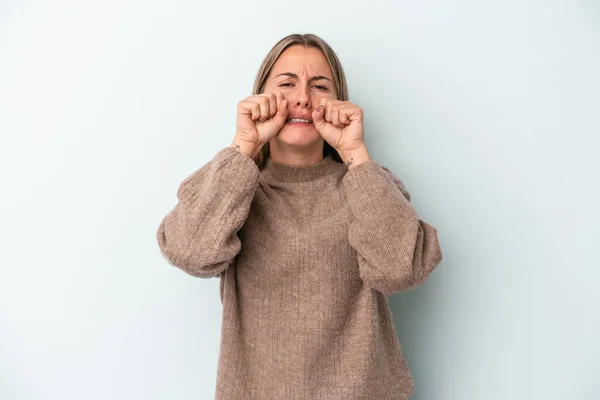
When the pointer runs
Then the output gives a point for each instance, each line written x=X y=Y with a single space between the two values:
x=260 y=118
x=340 y=123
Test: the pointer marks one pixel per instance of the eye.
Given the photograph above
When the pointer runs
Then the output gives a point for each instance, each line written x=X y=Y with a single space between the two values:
x=288 y=84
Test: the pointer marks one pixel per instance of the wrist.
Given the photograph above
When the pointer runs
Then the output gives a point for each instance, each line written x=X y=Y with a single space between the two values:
x=247 y=148
x=354 y=157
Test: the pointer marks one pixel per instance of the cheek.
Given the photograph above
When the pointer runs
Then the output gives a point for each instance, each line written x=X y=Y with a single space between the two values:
x=271 y=87
x=314 y=98
x=317 y=97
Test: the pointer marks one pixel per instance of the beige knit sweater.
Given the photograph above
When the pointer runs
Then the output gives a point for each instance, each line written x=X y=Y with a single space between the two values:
x=306 y=256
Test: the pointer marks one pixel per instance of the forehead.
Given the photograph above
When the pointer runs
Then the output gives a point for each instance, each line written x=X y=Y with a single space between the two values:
x=300 y=60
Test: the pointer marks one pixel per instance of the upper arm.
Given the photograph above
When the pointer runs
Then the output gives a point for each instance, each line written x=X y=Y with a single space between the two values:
x=398 y=182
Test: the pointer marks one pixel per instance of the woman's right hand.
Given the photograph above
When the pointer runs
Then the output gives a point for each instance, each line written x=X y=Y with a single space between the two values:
x=260 y=118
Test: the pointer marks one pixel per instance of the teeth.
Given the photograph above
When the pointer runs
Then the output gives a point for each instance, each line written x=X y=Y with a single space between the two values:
x=294 y=120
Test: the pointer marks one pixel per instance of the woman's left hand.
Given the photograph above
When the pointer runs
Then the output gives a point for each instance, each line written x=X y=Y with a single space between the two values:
x=340 y=123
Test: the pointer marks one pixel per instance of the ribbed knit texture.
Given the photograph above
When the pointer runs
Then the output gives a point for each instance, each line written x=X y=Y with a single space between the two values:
x=306 y=256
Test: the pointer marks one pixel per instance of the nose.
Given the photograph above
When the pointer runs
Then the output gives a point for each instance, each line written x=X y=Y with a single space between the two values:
x=302 y=97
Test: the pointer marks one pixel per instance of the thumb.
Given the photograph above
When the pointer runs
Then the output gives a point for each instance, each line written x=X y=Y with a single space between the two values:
x=282 y=113
x=317 y=117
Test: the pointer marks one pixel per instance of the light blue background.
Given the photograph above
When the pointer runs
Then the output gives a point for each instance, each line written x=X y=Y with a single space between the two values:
x=487 y=110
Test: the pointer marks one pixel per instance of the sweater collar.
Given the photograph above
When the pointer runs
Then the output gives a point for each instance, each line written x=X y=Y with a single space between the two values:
x=280 y=172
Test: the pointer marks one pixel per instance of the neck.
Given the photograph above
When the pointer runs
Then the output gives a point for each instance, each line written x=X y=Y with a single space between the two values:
x=295 y=155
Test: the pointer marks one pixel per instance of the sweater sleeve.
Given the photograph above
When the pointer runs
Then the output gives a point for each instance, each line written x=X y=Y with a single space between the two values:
x=199 y=235
x=396 y=250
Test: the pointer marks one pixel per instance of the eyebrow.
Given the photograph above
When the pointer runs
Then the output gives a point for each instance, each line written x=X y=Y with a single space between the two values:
x=314 y=78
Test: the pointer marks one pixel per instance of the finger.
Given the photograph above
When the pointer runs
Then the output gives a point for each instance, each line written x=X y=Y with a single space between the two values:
x=255 y=111
x=344 y=116
x=272 y=103
x=335 y=117
x=251 y=108
x=355 y=113
x=262 y=104
x=264 y=108
x=317 y=116
x=327 y=113
x=279 y=97
x=282 y=113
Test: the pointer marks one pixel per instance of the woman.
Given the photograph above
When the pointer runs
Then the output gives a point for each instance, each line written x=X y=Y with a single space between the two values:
x=308 y=235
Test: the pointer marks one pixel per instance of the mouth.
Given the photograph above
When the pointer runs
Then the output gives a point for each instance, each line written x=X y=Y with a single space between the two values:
x=299 y=121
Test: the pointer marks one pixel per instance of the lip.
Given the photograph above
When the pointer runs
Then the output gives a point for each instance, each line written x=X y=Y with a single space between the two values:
x=299 y=123
x=299 y=117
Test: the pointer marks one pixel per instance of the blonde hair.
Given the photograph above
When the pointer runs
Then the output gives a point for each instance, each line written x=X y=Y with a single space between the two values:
x=339 y=78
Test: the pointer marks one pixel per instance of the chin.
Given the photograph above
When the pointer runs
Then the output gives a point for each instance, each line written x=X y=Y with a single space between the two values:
x=298 y=136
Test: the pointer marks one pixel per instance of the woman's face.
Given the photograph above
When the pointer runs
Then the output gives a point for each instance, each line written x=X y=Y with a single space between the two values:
x=303 y=76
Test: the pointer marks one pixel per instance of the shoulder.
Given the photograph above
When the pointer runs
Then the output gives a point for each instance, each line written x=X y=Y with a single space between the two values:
x=397 y=181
